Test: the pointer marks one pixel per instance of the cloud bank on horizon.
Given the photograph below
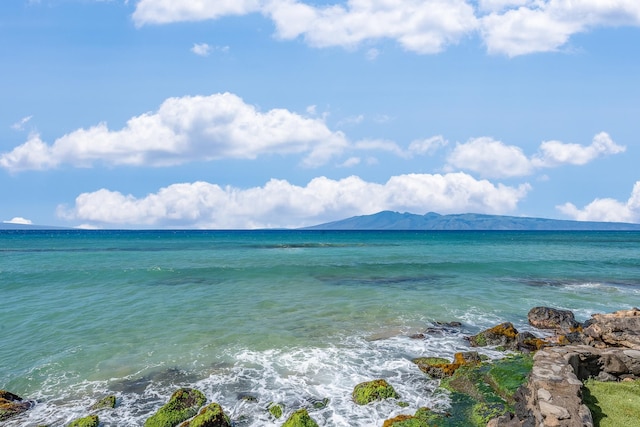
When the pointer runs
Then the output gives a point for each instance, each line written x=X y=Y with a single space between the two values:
x=476 y=173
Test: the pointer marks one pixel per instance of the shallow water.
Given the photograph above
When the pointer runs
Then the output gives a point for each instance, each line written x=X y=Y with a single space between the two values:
x=279 y=316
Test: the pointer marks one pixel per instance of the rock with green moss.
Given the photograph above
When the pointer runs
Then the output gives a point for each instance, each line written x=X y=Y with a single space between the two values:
x=438 y=367
x=104 y=403
x=182 y=405
x=211 y=415
x=12 y=405
x=300 y=418
x=90 y=421
x=424 y=417
x=371 y=391
x=275 y=409
x=503 y=335
x=481 y=392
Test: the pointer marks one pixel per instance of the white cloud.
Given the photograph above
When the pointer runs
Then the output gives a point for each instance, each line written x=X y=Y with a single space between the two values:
x=18 y=220
x=182 y=130
x=609 y=210
x=510 y=27
x=201 y=49
x=350 y=162
x=489 y=158
x=547 y=25
x=372 y=54
x=281 y=204
x=422 y=26
x=19 y=125
x=380 y=145
x=166 y=11
x=553 y=153
x=494 y=159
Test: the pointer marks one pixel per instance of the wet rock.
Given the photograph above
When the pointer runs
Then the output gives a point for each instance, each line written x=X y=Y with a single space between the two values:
x=617 y=329
x=503 y=335
x=104 y=403
x=90 y=421
x=528 y=342
x=553 y=318
x=371 y=391
x=423 y=417
x=438 y=367
x=275 y=409
x=300 y=418
x=183 y=404
x=12 y=405
x=211 y=415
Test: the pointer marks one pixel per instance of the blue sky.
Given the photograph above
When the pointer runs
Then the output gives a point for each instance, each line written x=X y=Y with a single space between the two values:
x=286 y=113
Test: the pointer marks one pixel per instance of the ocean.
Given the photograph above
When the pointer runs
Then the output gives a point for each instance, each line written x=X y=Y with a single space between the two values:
x=292 y=317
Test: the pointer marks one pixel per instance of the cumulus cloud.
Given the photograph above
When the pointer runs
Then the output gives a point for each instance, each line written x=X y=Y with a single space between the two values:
x=281 y=204
x=182 y=130
x=546 y=25
x=423 y=26
x=495 y=159
x=608 y=210
x=428 y=145
x=509 y=27
x=18 y=220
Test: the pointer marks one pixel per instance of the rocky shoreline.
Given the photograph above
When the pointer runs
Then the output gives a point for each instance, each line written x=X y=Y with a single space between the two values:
x=538 y=383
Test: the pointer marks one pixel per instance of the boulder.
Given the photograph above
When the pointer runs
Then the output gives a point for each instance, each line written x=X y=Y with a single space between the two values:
x=371 y=391
x=211 y=415
x=553 y=318
x=275 y=409
x=12 y=405
x=90 y=421
x=423 y=417
x=503 y=335
x=300 y=418
x=104 y=403
x=183 y=404
x=618 y=329
x=438 y=367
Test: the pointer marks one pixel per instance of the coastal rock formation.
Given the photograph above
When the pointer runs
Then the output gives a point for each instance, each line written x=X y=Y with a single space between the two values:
x=423 y=417
x=183 y=404
x=552 y=395
x=300 y=418
x=371 y=391
x=617 y=329
x=438 y=367
x=211 y=415
x=12 y=405
x=553 y=318
x=504 y=335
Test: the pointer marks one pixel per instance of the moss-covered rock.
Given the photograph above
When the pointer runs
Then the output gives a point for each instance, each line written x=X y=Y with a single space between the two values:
x=182 y=405
x=275 y=409
x=371 y=391
x=12 y=405
x=211 y=415
x=300 y=418
x=503 y=335
x=104 y=403
x=438 y=367
x=90 y=421
x=480 y=392
x=423 y=417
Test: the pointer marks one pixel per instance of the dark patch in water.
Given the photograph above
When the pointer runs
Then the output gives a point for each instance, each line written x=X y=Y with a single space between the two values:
x=139 y=385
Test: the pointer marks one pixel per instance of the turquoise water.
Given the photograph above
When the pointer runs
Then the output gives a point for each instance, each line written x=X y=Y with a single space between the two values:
x=284 y=316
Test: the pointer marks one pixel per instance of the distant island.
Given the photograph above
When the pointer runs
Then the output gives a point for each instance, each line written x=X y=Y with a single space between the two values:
x=388 y=220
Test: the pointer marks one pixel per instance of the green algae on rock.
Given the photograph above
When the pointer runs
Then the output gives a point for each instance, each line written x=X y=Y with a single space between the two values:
x=12 y=405
x=211 y=415
x=90 y=421
x=504 y=335
x=183 y=404
x=371 y=391
x=275 y=409
x=424 y=417
x=104 y=403
x=300 y=418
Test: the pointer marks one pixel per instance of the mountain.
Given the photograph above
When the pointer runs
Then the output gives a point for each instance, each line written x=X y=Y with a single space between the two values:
x=388 y=220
